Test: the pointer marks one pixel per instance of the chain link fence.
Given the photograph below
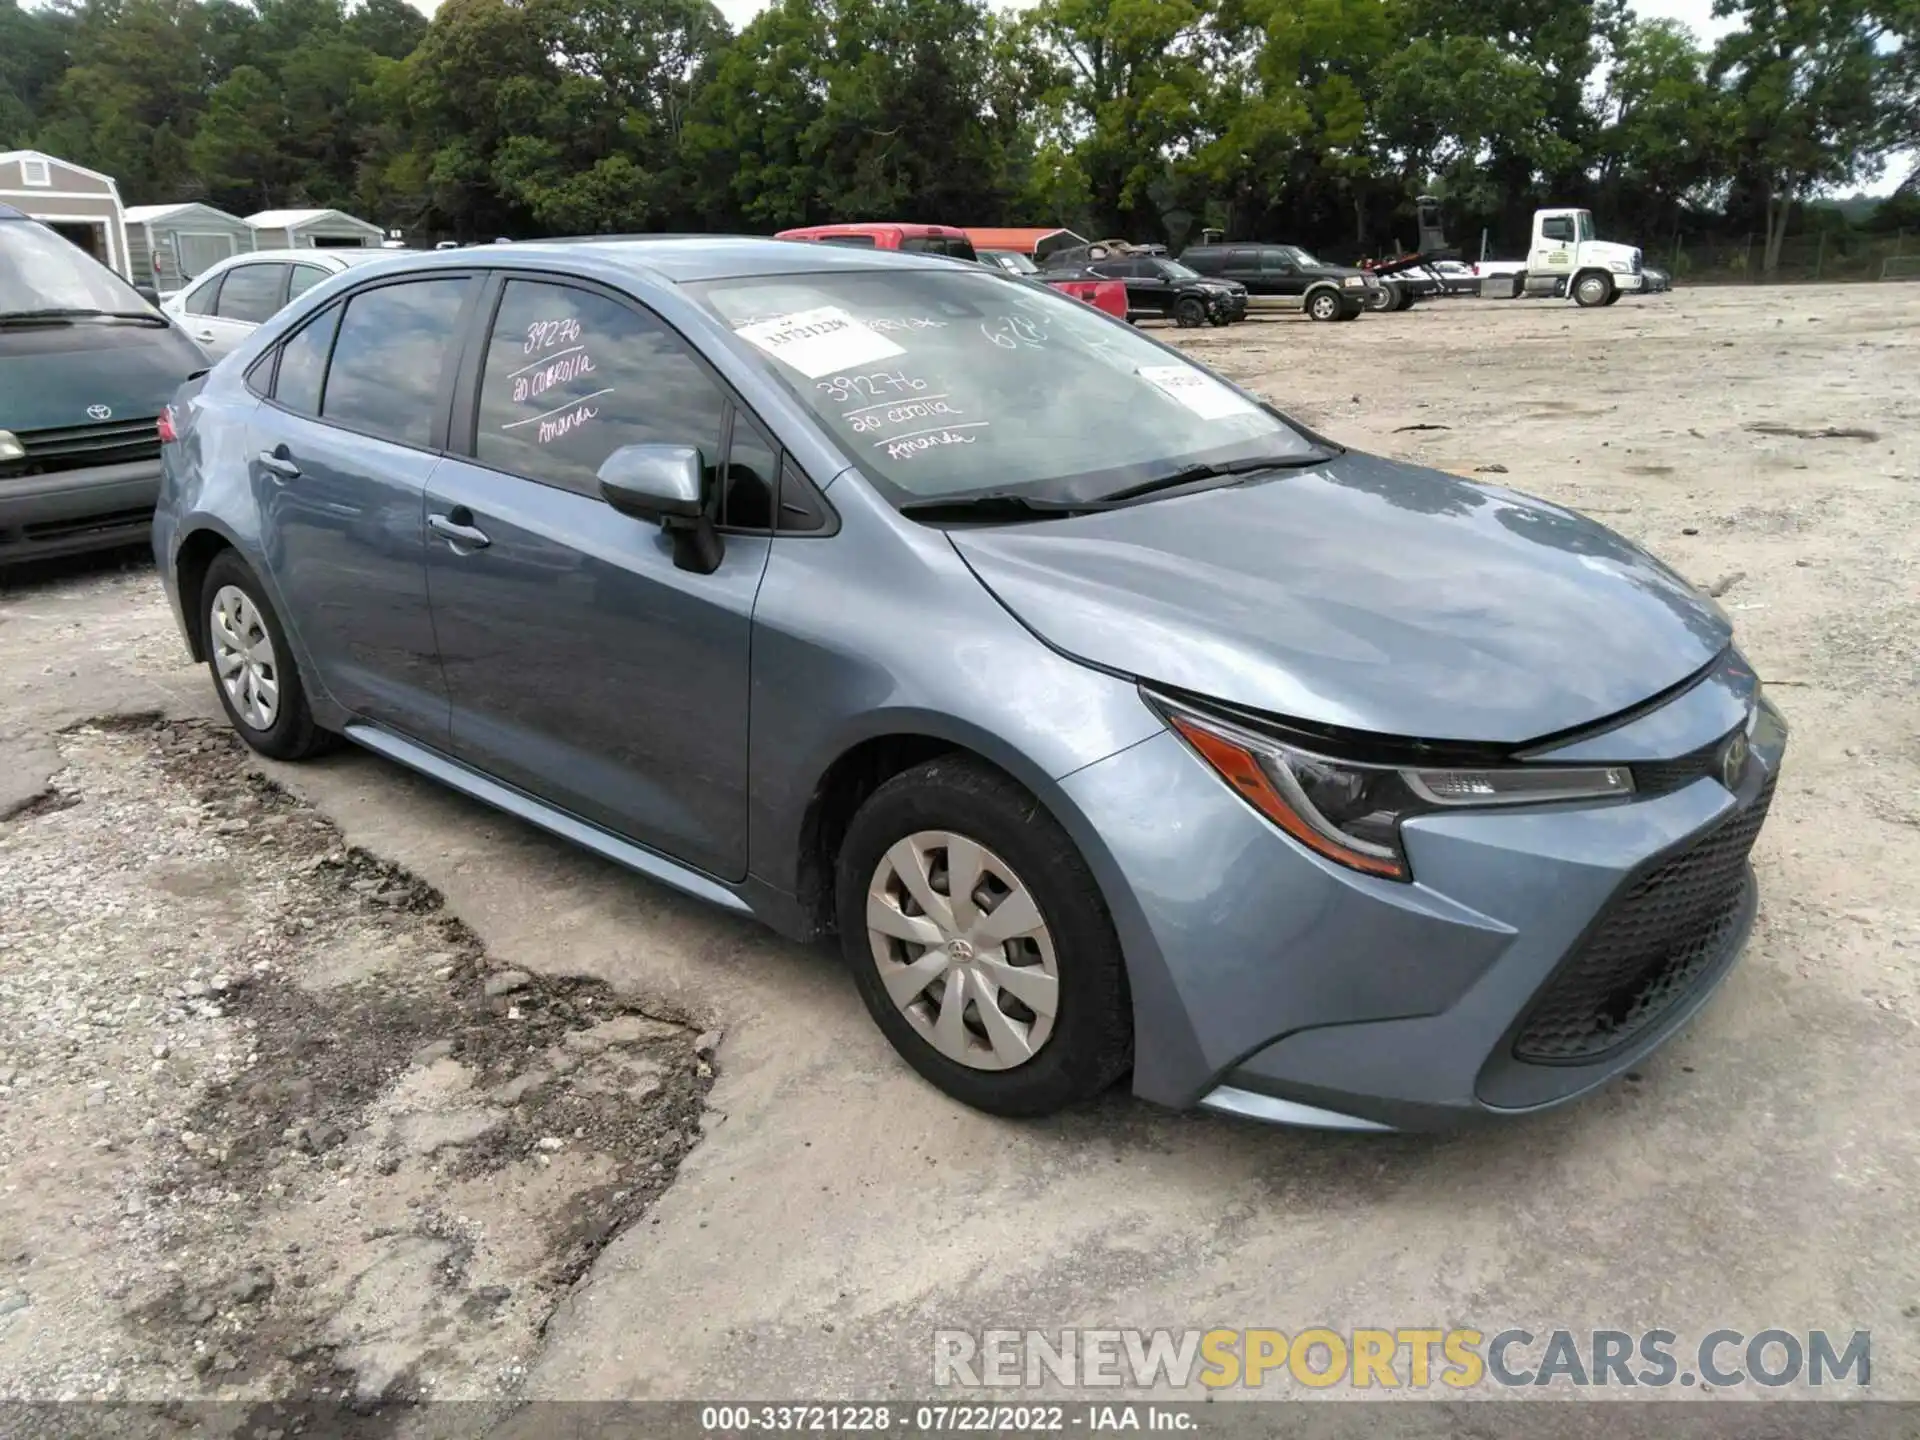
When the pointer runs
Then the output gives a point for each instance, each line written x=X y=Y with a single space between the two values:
x=1821 y=256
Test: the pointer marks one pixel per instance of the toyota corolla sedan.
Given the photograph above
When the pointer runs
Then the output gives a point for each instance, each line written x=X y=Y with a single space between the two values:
x=1114 y=722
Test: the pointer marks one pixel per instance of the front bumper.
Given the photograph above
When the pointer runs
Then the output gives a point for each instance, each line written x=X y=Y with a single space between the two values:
x=1268 y=982
x=63 y=512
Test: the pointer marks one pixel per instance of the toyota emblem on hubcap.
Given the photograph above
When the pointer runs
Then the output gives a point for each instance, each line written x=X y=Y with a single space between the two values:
x=100 y=412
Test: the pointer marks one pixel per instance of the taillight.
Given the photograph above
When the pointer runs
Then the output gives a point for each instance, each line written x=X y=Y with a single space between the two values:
x=168 y=431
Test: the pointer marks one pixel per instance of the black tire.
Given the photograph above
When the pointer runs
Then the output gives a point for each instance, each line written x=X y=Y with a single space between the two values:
x=1324 y=305
x=1593 y=289
x=1384 y=298
x=1219 y=320
x=1614 y=296
x=1091 y=1044
x=1190 y=313
x=1350 y=314
x=292 y=735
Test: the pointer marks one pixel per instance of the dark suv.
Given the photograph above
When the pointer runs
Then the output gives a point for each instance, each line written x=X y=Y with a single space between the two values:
x=1285 y=277
x=86 y=363
x=1159 y=287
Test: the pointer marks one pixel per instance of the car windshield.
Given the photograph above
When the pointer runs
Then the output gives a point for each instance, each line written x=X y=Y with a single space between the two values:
x=947 y=385
x=41 y=272
x=1174 y=270
x=1012 y=260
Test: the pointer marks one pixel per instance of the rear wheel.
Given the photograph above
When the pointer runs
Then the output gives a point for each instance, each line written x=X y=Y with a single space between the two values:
x=1190 y=313
x=253 y=667
x=980 y=943
x=1323 y=305
x=1593 y=288
x=1384 y=297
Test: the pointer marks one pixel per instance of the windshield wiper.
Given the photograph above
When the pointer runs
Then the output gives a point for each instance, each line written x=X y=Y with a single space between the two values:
x=1192 y=474
x=31 y=317
x=994 y=505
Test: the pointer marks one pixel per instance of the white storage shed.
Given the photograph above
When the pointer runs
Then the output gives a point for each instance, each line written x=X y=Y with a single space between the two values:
x=313 y=230
x=170 y=244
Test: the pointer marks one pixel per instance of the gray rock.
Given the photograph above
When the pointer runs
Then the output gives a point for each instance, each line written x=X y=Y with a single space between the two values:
x=317 y=1139
x=250 y=1285
x=506 y=982
x=519 y=1087
x=14 y=1300
x=494 y=1294
x=706 y=1044
x=438 y=1050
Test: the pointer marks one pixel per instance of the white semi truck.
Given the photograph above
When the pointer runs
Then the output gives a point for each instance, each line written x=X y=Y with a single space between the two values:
x=1564 y=260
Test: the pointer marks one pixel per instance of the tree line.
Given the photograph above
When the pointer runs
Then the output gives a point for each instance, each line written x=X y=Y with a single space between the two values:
x=1315 y=121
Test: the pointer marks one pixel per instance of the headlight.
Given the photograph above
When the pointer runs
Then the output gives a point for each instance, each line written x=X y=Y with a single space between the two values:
x=1354 y=282
x=10 y=446
x=1351 y=811
x=1621 y=267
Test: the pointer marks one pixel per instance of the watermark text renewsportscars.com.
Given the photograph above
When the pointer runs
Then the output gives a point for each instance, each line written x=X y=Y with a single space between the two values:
x=1321 y=1358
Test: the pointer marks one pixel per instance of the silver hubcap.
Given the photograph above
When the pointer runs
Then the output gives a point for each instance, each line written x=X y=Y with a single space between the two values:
x=962 y=950
x=243 y=658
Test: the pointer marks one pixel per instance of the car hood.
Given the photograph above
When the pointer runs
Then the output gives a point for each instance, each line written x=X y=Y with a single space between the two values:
x=56 y=376
x=1331 y=272
x=1365 y=594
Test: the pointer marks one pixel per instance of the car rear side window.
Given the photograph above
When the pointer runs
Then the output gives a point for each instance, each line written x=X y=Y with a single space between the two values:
x=303 y=363
x=862 y=242
x=305 y=277
x=202 y=299
x=393 y=346
x=251 y=293
x=571 y=376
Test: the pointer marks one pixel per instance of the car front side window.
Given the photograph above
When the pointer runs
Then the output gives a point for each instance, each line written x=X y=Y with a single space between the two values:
x=570 y=376
x=251 y=293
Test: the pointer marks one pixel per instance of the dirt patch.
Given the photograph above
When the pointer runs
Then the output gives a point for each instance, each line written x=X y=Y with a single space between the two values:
x=287 y=1130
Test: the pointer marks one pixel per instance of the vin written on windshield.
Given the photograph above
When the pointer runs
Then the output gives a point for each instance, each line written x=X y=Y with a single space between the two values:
x=945 y=384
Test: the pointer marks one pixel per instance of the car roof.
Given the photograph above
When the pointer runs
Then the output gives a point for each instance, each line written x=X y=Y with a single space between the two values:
x=669 y=259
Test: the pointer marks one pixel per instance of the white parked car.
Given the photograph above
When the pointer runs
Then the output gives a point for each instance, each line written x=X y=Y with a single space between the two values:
x=220 y=307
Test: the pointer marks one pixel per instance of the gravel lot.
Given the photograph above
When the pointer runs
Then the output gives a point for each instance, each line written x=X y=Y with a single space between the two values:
x=321 y=1082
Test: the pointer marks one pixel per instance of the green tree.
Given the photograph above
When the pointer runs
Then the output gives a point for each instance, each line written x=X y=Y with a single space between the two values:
x=1666 y=128
x=1811 y=87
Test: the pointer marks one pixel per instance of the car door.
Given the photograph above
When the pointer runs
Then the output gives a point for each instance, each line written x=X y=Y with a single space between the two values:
x=249 y=293
x=1283 y=278
x=340 y=458
x=584 y=665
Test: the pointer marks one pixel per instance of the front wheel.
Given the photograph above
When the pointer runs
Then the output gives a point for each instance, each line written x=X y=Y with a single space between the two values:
x=1614 y=296
x=253 y=668
x=1219 y=320
x=1190 y=314
x=1384 y=297
x=1324 y=305
x=1592 y=289
x=980 y=942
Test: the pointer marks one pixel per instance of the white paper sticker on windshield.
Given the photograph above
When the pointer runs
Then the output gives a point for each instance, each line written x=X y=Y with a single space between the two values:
x=1199 y=392
x=819 y=342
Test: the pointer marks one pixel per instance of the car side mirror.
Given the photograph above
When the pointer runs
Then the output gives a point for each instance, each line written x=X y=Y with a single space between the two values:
x=666 y=484
x=149 y=294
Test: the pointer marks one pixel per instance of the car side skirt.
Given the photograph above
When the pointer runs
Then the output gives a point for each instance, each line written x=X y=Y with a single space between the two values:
x=523 y=806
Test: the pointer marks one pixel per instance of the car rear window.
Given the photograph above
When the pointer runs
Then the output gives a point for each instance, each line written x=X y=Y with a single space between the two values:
x=863 y=242
x=959 y=247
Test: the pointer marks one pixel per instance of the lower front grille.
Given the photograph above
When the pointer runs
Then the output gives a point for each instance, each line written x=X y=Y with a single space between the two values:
x=1648 y=948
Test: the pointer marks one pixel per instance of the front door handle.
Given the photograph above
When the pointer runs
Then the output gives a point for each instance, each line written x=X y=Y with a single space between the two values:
x=459 y=529
x=279 y=460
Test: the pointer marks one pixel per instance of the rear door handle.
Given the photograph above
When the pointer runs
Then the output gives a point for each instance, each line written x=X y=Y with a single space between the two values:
x=459 y=529
x=280 y=462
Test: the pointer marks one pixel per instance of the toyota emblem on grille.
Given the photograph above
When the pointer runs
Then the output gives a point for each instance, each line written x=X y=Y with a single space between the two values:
x=1733 y=761
x=100 y=412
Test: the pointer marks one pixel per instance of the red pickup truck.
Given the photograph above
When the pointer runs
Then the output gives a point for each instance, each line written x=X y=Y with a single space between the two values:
x=1107 y=295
